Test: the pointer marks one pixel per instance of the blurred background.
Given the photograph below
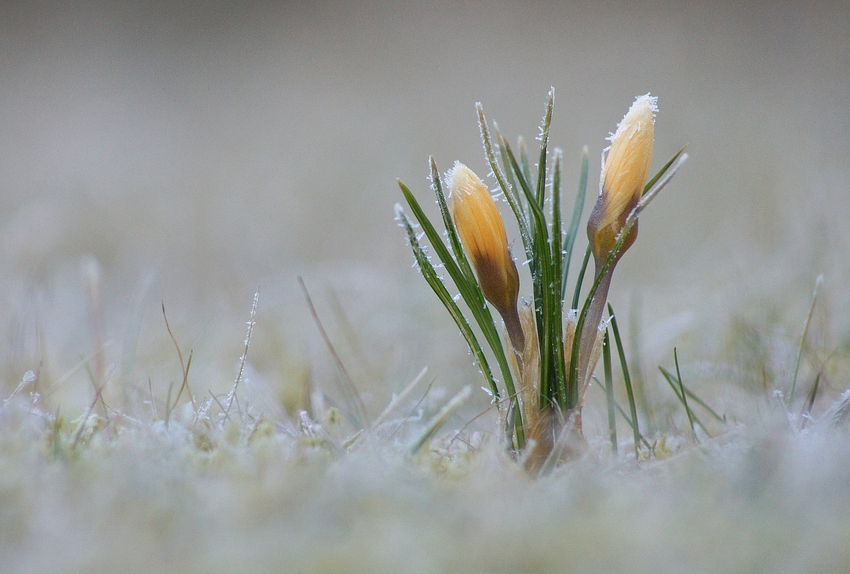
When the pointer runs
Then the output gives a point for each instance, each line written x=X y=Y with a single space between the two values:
x=185 y=152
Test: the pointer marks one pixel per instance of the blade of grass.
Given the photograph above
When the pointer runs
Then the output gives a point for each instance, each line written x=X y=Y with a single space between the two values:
x=523 y=158
x=252 y=320
x=413 y=410
x=548 y=303
x=433 y=280
x=509 y=192
x=548 y=292
x=520 y=213
x=580 y=280
x=471 y=293
x=684 y=395
x=467 y=285
x=510 y=421
x=536 y=208
x=183 y=367
x=350 y=387
x=509 y=176
x=463 y=283
x=818 y=283
x=535 y=265
x=451 y=231
x=701 y=403
x=441 y=417
x=661 y=179
x=85 y=419
x=662 y=171
x=638 y=381
x=556 y=233
x=556 y=311
x=572 y=231
x=396 y=400
x=625 y=416
x=627 y=380
x=609 y=391
x=674 y=385
x=544 y=146
x=806 y=413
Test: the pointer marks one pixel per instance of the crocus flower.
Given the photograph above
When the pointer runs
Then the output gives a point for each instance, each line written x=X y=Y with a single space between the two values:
x=482 y=233
x=624 y=175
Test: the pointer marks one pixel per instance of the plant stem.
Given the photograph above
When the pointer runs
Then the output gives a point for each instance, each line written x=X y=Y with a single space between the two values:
x=514 y=329
x=590 y=328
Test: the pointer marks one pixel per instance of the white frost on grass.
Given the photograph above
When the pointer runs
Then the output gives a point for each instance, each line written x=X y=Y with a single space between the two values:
x=151 y=499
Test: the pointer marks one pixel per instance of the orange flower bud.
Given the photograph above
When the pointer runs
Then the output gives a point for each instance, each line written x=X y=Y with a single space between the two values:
x=624 y=175
x=482 y=232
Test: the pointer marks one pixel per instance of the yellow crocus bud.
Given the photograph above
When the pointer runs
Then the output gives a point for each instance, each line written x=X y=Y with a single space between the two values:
x=482 y=232
x=624 y=175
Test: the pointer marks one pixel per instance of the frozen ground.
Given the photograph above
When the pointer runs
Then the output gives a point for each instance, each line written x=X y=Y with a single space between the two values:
x=184 y=154
x=147 y=498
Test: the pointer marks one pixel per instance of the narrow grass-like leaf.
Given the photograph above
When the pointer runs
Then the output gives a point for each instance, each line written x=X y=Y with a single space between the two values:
x=469 y=289
x=662 y=171
x=556 y=311
x=508 y=174
x=523 y=158
x=555 y=235
x=572 y=231
x=806 y=413
x=436 y=284
x=398 y=398
x=664 y=176
x=609 y=391
x=183 y=367
x=544 y=147
x=430 y=232
x=580 y=280
x=525 y=185
x=627 y=380
x=476 y=297
x=441 y=417
x=638 y=381
x=818 y=283
x=702 y=403
x=535 y=265
x=471 y=293
x=675 y=386
x=507 y=190
x=537 y=222
x=252 y=321
x=684 y=395
x=546 y=306
x=625 y=416
x=451 y=231
x=510 y=419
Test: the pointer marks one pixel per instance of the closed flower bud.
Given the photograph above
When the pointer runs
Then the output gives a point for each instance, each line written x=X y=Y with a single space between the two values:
x=482 y=232
x=624 y=175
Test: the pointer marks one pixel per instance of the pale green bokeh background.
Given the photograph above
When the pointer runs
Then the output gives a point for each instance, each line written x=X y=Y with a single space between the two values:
x=197 y=150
